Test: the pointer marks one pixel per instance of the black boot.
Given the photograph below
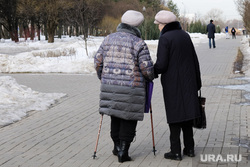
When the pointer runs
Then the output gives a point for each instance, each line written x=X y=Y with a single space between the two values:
x=173 y=156
x=189 y=153
x=123 y=152
x=116 y=148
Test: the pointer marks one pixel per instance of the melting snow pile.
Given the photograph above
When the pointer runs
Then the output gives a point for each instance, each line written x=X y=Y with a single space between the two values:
x=17 y=100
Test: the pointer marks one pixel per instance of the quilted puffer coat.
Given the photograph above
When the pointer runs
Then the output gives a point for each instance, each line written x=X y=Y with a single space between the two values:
x=123 y=64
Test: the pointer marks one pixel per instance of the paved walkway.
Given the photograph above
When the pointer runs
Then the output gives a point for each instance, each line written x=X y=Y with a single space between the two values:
x=65 y=135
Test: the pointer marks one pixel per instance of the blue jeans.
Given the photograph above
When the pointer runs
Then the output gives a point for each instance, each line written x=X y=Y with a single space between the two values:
x=210 y=42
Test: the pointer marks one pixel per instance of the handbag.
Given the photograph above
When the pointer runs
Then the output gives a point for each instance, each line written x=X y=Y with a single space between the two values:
x=201 y=122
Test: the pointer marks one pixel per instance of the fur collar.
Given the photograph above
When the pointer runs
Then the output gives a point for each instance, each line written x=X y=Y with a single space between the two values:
x=171 y=26
x=122 y=27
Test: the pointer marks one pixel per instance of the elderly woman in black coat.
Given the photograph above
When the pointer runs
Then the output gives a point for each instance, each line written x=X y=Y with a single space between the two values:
x=178 y=65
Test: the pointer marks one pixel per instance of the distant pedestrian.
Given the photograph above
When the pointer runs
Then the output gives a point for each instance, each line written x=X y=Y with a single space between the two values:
x=178 y=65
x=226 y=31
x=123 y=64
x=211 y=32
x=233 y=31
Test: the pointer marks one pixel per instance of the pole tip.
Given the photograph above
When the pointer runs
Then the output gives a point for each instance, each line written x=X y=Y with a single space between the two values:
x=154 y=150
x=94 y=156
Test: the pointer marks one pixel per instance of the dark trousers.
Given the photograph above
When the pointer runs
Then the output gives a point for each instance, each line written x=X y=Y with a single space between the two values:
x=122 y=129
x=210 y=44
x=233 y=36
x=175 y=130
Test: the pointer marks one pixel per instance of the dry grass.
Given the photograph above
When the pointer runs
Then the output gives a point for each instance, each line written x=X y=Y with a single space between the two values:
x=56 y=53
x=238 y=63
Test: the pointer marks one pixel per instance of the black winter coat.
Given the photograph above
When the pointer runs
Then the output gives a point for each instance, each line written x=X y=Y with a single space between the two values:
x=211 y=30
x=178 y=65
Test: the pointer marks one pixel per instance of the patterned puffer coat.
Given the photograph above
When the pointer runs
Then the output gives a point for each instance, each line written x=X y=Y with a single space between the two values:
x=123 y=64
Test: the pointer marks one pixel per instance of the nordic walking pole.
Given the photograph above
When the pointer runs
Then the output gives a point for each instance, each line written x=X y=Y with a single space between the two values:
x=152 y=126
x=100 y=126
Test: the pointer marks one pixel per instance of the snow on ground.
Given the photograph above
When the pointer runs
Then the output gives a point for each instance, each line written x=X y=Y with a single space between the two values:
x=17 y=100
x=245 y=48
x=66 y=55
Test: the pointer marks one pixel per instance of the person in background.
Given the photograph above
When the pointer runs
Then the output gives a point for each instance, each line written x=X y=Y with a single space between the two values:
x=211 y=32
x=233 y=31
x=178 y=65
x=123 y=64
x=226 y=31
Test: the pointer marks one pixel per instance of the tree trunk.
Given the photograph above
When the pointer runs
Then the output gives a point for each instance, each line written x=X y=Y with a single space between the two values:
x=85 y=31
x=60 y=29
x=70 y=31
x=45 y=31
x=21 y=34
x=65 y=30
x=26 y=30
x=14 y=31
x=1 y=31
x=77 y=30
x=51 y=37
x=51 y=31
x=32 y=35
x=86 y=47
x=6 y=34
x=14 y=35
x=38 y=31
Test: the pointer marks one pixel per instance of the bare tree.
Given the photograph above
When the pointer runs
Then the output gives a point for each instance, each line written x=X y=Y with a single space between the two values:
x=84 y=15
x=215 y=14
x=54 y=9
x=27 y=12
x=246 y=17
x=241 y=6
x=9 y=17
x=244 y=10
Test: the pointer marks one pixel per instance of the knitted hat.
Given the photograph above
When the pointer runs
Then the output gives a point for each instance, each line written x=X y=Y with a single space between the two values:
x=164 y=17
x=133 y=18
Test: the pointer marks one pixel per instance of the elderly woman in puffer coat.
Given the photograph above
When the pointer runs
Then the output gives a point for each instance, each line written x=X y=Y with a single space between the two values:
x=123 y=64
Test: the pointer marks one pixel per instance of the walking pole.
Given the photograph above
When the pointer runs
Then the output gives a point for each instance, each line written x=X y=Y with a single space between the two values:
x=100 y=126
x=152 y=126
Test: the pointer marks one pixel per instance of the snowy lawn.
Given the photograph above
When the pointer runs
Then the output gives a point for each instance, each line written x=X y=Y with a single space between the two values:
x=66 y=55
